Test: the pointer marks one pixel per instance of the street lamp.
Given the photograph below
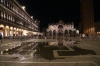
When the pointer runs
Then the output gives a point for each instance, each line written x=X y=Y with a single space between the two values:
x=23 y=7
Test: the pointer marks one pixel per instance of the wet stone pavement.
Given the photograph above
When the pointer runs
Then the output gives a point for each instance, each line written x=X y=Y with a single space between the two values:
x=50 y=52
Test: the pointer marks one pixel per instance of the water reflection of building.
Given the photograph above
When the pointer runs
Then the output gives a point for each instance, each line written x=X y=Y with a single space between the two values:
x=57 y=45
x=53 y=43
x=14 y=20
x=61 y=29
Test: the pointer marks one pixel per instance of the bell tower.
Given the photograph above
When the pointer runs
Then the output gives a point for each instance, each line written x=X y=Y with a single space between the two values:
x=87 y=17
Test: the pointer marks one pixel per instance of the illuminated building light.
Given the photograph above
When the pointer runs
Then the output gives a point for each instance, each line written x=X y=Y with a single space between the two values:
x=14 y=28
x=7 y=26
x=17 y=29
x=25 y=32
x=32 y=17
x=23 y=7
x=1 y=25
x=11 y=28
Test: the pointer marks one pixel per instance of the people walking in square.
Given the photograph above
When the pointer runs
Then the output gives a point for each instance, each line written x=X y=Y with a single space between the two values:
x=80 y=36
x=90 y=37
x=83 y=37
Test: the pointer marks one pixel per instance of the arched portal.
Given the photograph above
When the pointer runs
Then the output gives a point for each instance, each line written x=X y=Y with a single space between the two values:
x=70 y=32
x=60 y=33
x=50 y=34
x=54 y=34
x=66 y=33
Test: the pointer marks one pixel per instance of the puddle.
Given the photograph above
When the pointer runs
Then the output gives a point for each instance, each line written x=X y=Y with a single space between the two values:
x=45 y=50
x=24 y=46
x=78 y=51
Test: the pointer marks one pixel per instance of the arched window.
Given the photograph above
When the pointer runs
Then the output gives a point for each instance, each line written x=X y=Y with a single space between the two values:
x=54 y=32
x=2 y=15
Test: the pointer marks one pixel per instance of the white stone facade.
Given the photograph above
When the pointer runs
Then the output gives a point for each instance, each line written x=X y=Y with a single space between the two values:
x=61 y=29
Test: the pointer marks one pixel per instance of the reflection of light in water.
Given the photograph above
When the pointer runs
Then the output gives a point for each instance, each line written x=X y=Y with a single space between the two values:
x=6 y=49
x=1 y=52
x=53 y=43
x=35 y=50
x=22 y=58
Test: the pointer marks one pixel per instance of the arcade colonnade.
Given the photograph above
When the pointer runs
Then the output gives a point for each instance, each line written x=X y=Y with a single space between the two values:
x=12 y=31
x=15 y=21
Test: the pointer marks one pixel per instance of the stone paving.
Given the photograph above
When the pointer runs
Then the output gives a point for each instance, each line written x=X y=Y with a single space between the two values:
x=86 y=60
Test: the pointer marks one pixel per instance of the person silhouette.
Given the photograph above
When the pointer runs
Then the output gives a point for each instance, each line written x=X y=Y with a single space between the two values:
x=1 y=37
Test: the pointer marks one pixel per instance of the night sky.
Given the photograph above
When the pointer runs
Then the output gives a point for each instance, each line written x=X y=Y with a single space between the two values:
x=51 y=11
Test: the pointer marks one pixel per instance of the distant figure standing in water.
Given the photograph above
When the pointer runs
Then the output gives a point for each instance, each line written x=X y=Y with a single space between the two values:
x=1 y=37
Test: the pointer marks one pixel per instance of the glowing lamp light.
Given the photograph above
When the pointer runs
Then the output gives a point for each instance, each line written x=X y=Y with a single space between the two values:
x=23 y=7
x=32 y=17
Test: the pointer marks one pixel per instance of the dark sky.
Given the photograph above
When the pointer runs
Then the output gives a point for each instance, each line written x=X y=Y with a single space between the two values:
x=51 y=11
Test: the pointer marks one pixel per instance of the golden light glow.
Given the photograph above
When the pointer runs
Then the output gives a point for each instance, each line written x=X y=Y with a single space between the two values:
x=14 y=28
x=1 y=25
x=11 y=28
x=17 y=29
x=25 y=32
x=7 y=27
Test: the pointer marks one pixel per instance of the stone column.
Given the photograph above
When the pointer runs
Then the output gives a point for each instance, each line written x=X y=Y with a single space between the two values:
x=8 y=31
x=4 y=31
x=52 y=34
x=63 y=34
x=56 y=34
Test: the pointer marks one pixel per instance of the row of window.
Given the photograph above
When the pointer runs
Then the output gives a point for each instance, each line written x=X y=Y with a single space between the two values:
x=6 y=16
x=10 y=18
x=11 y=6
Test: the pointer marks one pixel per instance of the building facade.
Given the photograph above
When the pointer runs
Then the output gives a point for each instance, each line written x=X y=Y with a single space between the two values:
x=87 y=17
x=15 y=21
x=61 y=30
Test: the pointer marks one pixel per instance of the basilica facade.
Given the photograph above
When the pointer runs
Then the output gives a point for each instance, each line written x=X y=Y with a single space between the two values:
x=61 y=29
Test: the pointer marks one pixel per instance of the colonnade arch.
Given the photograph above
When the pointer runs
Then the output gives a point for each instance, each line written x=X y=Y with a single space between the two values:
x=10 y=31
x=61 y=33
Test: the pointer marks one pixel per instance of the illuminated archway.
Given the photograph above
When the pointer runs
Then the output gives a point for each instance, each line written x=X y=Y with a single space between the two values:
x=7 y=30
x=1 y=29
